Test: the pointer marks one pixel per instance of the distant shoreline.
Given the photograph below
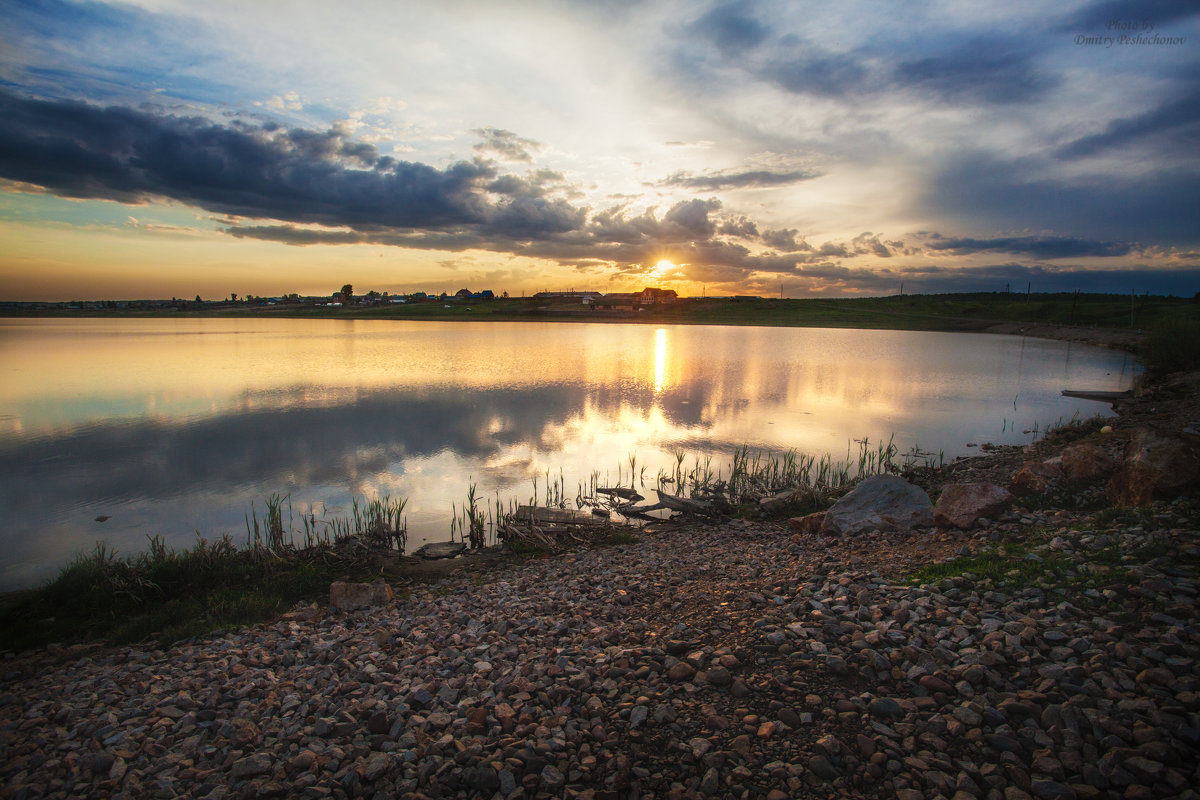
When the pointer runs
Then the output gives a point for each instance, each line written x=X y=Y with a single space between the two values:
x=1104 y=320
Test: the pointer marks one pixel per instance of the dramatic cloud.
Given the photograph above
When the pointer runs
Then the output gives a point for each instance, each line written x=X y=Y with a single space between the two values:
x=1175 y=121
x=1035 y=246
x=748 y=179
x=785 y=240
x=976 y=189
x=814 y=71
x=699 y=143
x=730 y=28
x=994 y=70
x=78 y=150
x=505 y=145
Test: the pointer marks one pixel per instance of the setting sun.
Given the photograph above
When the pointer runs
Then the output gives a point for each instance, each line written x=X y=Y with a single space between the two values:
x=663 y=267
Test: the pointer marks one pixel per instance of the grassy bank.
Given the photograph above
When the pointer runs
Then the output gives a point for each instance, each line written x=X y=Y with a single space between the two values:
x=166 y=596
x=934 y=312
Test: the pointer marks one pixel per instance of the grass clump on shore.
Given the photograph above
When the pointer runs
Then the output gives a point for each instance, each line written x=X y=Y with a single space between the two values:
x=1172 y=345
x=164 y=595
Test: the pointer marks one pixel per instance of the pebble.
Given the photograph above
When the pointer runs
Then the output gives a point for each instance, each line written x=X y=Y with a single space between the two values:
x=748 y=663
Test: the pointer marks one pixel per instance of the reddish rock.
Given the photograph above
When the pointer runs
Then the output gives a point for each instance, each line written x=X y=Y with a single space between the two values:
x=681 y=671
x=349 y=596
x=1084 y=464
x=1036 y=477
x=962 y=504
x=807 y=525
x=1155 y=466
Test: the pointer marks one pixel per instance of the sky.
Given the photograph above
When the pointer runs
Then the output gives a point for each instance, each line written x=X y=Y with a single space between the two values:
x=163 y=148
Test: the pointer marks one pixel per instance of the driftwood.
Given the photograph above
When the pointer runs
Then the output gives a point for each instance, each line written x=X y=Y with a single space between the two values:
x=556 y=528
x=621 y=492
x=440 y=550
x=566 y=516
x=640 y=512
x=683 y=504
x=1113 y=398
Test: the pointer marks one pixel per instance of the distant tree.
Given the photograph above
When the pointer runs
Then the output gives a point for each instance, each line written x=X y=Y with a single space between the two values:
x=198 y=300
x=505 y=294
x=347 y=293
x=233 y=297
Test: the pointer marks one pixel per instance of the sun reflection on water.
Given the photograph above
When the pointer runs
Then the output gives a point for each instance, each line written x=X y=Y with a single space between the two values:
x=660 y=359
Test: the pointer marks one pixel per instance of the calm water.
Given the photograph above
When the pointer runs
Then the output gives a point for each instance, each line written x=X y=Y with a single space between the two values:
x=177 y=426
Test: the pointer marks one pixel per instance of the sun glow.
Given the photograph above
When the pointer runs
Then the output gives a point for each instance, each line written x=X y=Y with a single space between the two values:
x=662 y=268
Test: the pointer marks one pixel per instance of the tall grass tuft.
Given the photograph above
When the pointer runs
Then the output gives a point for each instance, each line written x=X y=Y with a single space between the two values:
x=1172 y=345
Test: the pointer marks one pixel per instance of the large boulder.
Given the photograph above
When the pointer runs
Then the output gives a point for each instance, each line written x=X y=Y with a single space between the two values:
x=1155 y=466
x=883 y=502
x=349 y=596
x=961 y=505
x=1084 y=464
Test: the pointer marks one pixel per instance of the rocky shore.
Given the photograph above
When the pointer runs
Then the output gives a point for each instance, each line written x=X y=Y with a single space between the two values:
x=710 y=659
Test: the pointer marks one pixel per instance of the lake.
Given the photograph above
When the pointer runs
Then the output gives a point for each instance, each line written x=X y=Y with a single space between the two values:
x=178 y=426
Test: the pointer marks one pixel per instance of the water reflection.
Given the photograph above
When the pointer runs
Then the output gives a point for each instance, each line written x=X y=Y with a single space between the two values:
x=660 y=358
x=176 y=426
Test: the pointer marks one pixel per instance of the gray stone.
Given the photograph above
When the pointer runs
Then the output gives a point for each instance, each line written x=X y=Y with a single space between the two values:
x=882 y=502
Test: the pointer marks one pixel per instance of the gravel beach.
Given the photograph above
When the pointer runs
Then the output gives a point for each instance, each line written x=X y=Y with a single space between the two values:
x=709 y=659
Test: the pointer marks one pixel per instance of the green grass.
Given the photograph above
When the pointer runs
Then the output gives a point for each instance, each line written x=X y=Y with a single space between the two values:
x=975 y=311
x=1016 y=564
x=1172 y=344
x=942 y=312
x=164 y=595
x=1068 y=575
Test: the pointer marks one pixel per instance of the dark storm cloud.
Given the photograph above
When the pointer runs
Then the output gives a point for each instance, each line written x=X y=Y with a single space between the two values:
x=993 y=70
x=1041 y=278
x=1034 y=246
x=506 y=145
x=811 y=70
x=730 y=28
x=1175 y=122
x=981 y=190
x=299 y=176
x=748 y=179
